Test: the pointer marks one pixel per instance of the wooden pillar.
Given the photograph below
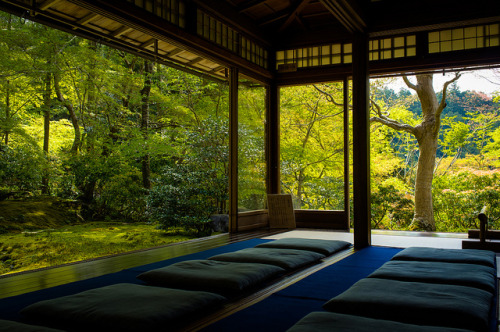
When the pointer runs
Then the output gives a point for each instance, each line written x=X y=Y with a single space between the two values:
x=233 y=150
x=273 y=139
x=347 y=206
x=361 y=141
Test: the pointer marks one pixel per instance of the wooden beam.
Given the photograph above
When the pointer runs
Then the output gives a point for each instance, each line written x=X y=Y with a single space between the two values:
x=249 y=5
x=120 y=31
x=296 y=9
x=47 y=4
x=176 y=52
x=86 y=19
x=361 y=141
x=216 y=69
x=233 y=150
x=195 y=60
x=347 y=13
x=147 y=43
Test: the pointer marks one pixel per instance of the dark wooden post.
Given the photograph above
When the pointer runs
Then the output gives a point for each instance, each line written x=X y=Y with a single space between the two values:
x=273 y=139
x=233 y=150
x=347 y=206
x=361 y=141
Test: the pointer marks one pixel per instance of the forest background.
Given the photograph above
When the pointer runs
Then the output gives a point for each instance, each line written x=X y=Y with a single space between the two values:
x=112 y=136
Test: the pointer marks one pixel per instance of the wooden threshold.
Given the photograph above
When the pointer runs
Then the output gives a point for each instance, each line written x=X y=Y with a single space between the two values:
x=30 y=281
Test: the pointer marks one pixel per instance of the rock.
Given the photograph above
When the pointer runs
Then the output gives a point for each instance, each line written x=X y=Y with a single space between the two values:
x=220 y=223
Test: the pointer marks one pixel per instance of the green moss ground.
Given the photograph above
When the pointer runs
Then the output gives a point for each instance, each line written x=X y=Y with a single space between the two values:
x=43 y=232
x=32 y=250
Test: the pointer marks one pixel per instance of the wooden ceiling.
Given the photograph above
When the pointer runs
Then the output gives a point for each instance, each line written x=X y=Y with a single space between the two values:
x=295 y=23
x=170 y=31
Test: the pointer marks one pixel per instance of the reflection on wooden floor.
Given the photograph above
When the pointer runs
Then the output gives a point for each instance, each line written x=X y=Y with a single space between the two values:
x=24 y=282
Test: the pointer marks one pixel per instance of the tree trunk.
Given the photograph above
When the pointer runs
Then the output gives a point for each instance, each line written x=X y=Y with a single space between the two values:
x=423 y=218
x=7 y=94
x=72 y=114
x=427 y=136
x=46 y=131
x=145 y=93
x=7 y=111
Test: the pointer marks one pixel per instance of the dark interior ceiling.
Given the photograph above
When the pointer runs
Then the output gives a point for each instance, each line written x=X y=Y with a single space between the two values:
x=293 y=23
x=136 y=26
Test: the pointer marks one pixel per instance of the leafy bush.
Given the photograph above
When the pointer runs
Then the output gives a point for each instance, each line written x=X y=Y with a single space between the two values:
x=458 y=199
x=123 y=196
x=21 y=168
x=390 y=208
x=184 y=197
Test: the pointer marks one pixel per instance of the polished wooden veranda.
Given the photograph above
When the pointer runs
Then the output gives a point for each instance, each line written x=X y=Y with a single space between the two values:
x=25 y=282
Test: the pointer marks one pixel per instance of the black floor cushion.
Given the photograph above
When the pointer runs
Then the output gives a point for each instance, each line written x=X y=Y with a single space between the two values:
x=416 y=303
x=124 y=307
x=468 y=256
x=472 y=275
x=226 y=278
x=330 y=321
x=10 y=326
x=288 y=259
x=325 y=247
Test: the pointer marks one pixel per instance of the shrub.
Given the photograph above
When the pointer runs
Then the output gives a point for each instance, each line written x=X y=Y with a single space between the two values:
x=123 y=196
x=390 y=208
x=458 y=199
x=184 y=197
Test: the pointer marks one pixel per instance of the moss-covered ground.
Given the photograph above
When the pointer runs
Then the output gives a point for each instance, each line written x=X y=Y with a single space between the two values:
x=36 y=234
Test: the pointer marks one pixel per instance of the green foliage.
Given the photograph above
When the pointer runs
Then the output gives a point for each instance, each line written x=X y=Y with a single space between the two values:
x=458 y=199
x=312 y=143
x=184 y=197
x=390 y=208
x=20 y=168
x=123 y=197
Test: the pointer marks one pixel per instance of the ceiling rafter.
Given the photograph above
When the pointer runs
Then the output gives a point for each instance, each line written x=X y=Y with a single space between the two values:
x=249 y=5
x=47 y=4
x=274 y=17
x=177 y=51
x=195 y=60
x=347 y=13
x=120 y=31
x=86 y=19
x=298 y=6
x=147 y=43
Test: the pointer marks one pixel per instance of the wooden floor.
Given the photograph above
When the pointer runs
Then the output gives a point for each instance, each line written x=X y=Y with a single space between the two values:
x=16 y=284
x=25 y=282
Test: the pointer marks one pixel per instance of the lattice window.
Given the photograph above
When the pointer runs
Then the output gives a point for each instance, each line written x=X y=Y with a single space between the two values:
x=174 y=11
x=467 y=38
x=393 y=47
x=212 y=29
x=332 y=54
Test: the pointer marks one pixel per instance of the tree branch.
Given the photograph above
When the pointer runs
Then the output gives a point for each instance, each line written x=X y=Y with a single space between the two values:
x=442 y=104
x=409 y=84
x=394 y=124
x=328 y=96
x=383 y=119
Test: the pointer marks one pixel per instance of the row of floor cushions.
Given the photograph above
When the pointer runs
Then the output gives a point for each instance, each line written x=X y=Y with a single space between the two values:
x=195 y=287
x=420 y=289
x=10 y=326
